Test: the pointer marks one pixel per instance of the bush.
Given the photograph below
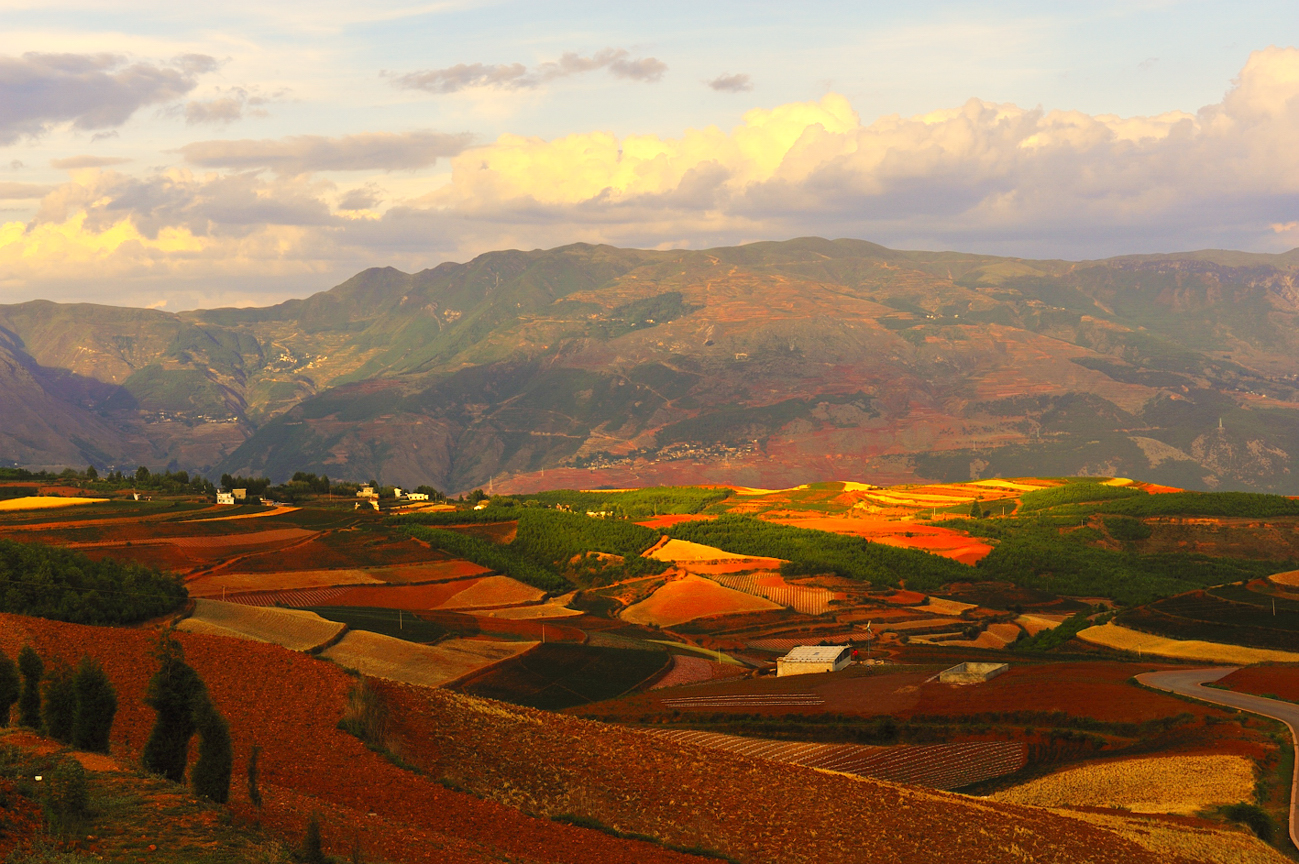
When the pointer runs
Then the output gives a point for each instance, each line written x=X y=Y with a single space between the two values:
x=64 y=585
x=171 y=694
x=29 y=702
x=366 y=715
x=10 y=687
x=59 y=710
x=1252 y=817
x=96 y=706
x=313 y=851
x=215 y=763
x=67 y=797
x=1075 y=493
x=1048 y=640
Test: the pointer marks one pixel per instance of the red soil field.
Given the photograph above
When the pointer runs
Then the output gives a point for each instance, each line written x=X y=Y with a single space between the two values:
x=690 y=598
x=1278 y=680
x=412 y=597
x=290 y=704
x=940 y=541
x=675 y=519
x=1156 y=489
x=692 y=670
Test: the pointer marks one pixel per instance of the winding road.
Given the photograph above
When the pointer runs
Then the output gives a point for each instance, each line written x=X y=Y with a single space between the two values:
x=1190 y=682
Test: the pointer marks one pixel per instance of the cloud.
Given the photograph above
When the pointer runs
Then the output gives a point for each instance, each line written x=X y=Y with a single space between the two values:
x=980 y=176
x=90 y=91
x=383 y=151
x=515 y=76
x=73 y=163
x=23 y=191
x=726 y=83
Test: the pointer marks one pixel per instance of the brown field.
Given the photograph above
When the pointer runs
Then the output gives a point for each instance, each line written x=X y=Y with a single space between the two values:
x=44 y=502
x=514 y=760
x=1035 y=624
x=537 y=612
x=343 y=550
x=289 y=628
x=1161 y=784
x=1273 y=680
x=492 y=591
x=1113 y=636
x=422 y=665
x=492 y=532
x=939 y=606
x=693 y=670
x=689 y=598
x=410 y=597
x=773 y=587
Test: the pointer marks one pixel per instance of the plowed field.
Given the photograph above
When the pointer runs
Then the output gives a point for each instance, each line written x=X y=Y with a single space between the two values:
x=225 y=583
x=689 y=598
x=940 y=766
x=412 y=597
x=1163 y=784
x=494 y=591
x=537 y=612
x=693 y=670
x=1277 y=681
x=291 y=628
x=907 y=535
x=1113 y=636
x=411 y=663
x=809 y=601
x=686 y=552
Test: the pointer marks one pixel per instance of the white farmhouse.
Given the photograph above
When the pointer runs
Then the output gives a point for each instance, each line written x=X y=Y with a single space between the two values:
x=225 y=497
x=416 y=496
x=814 y=658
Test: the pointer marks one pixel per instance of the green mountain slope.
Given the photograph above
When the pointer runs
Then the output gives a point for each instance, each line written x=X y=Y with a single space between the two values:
x=764 y=364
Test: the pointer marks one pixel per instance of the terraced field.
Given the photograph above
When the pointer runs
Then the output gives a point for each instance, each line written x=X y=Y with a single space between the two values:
x=809 y=601
x=939 y=766
x=292 y=628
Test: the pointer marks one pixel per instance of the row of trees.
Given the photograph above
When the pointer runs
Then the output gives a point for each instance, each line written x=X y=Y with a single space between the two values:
x=77 y=708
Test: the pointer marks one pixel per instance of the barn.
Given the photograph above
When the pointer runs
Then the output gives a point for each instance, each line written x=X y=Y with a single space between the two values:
x=814 y=658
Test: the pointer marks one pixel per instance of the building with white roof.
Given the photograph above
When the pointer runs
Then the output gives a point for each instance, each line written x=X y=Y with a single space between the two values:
x=814 y=658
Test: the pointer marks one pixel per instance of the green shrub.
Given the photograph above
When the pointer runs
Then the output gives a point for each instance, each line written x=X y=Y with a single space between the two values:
x=1047 y=640
x=29 y=702
x=96 y=706
x=494 y=556
x=65 y=585
x=66 y=799
x=10 y=687
x=313 y=850
x=1126 y=528
x=171 y=694
x=1249 y=504
x=59 y=710
x=211 y=774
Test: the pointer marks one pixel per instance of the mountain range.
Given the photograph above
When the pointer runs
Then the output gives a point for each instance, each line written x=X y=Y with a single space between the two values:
x=766 y=364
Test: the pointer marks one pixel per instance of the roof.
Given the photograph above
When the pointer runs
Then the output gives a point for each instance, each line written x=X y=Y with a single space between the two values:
x=816 y=653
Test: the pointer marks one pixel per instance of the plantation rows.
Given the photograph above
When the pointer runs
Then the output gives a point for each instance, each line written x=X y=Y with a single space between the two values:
x=940 y=766
x=809 y=601
x=293 y=598
x=1150 y=620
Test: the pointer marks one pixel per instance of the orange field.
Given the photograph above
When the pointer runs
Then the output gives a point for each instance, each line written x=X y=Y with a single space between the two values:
x=491 y=591
x=674 y=519
x=692 y=597
x=1289 y=579
x=907 y=535
x=222 y=583
x=411 y=597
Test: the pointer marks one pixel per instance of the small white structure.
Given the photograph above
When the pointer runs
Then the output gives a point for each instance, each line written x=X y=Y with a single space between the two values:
x=240 y=494
x=365 y=492
x=225 y=497
x=416 y=496
x=396 y=491
x=972 y=673
x=814 y=658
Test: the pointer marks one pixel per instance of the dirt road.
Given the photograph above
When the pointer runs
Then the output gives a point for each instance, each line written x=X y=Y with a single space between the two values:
x=1190 y=682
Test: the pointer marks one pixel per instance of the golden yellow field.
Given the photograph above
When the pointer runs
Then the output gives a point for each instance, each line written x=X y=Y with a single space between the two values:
x=1113 y=636
x=1164 y=784
x=423 y=665
x=684 y=550
x=529 y=613
x=213 y=586
x=295 y=629
x=45 y=502
x=939 y=606
x=1290 y=578
x=1181 y=842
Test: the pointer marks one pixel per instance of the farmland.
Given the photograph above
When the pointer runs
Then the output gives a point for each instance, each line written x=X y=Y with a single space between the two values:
x=663 y=625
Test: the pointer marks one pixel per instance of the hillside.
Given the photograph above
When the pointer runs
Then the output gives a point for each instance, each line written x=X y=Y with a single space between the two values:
x=768 y=365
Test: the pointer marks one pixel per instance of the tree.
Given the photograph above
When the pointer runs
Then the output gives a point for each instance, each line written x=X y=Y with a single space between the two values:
x=254 y=776
x=171 y=694
x=211 y=774
x=10 y=687
x=91 y=473
x=96 y=705
x=976 y=512
x=59 y=710
x=29 y=703
x=313 y=851
x=142 y=474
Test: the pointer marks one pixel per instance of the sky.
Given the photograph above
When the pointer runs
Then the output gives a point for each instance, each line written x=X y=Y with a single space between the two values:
x=157 y=154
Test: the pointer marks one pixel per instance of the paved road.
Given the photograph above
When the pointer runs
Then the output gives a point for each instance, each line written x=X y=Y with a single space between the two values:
x=1189 y=682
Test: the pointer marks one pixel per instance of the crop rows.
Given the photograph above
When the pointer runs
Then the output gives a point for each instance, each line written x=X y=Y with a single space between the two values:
x=294 y=598
x=939 y=766
x=809 y=601
x=743 y=700
x=694 y=670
